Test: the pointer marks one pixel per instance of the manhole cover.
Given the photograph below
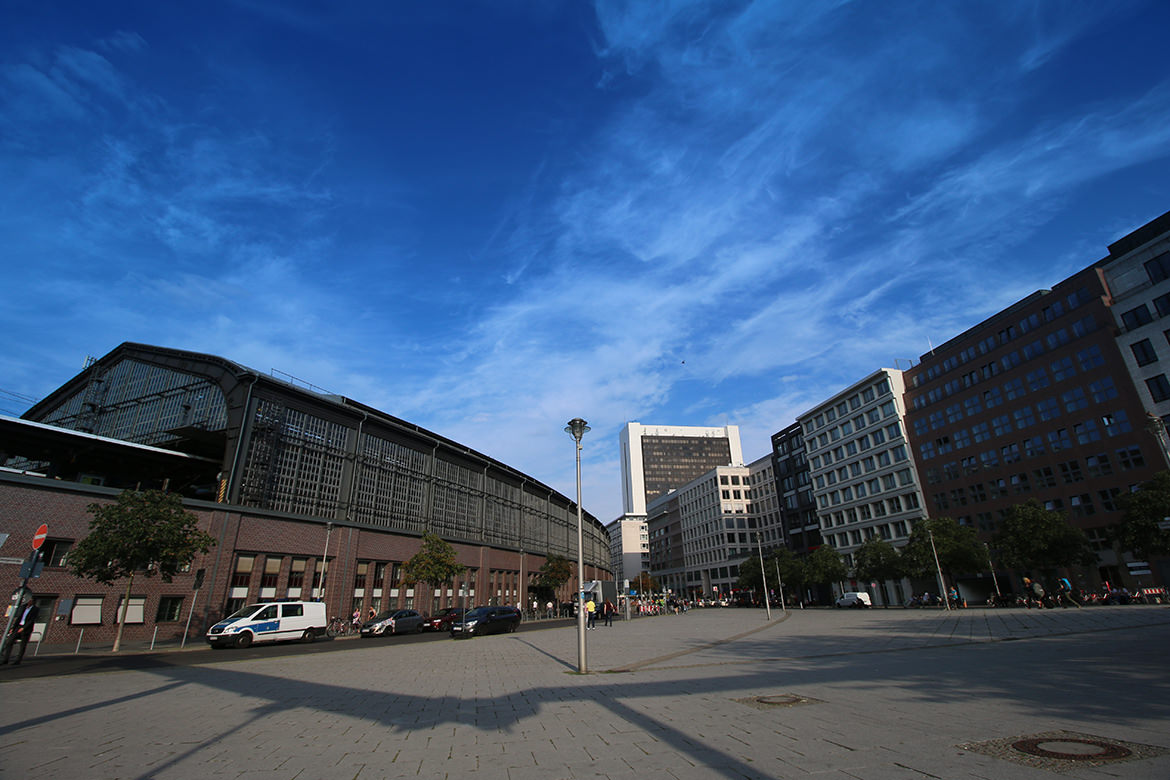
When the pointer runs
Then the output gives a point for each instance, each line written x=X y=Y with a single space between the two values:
x=1062 y=751
x=1072 y=749
x=772 y=700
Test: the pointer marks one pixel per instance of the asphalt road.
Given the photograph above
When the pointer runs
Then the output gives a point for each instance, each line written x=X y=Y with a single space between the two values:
x=59 y=661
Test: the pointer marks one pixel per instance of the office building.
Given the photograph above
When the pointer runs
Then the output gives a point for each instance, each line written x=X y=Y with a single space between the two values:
x=1036 y=402
x=629 y=547
x=798 y=509
x=658 y=458
x=864 y=480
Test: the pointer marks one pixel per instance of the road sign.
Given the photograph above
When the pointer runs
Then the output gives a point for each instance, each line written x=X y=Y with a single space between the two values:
x=39 y=536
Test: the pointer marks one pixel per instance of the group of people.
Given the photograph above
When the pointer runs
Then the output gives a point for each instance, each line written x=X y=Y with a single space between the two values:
x=607 y=610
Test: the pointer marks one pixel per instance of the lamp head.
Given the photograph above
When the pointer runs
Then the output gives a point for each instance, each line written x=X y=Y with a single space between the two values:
x=577 y=428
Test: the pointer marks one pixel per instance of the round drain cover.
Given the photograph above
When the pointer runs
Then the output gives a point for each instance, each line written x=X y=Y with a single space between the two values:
x=783 y=700
x=1071 y=749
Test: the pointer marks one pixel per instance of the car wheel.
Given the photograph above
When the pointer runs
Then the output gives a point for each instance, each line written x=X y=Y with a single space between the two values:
x=244 y=640
x=309 y=636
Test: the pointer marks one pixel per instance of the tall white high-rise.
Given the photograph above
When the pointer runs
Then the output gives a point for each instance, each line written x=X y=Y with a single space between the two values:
x=659 y=458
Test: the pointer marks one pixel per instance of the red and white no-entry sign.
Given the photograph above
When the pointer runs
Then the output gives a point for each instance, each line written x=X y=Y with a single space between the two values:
x=39 y=536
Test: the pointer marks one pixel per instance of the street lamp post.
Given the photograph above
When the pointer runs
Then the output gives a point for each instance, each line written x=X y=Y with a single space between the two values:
x=578 y=428
x=763 y=576
x=991 y=564
x=325 y=566
x=942 y=586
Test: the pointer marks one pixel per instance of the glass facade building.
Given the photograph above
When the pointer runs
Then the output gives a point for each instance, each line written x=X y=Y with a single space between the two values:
x=292 y=449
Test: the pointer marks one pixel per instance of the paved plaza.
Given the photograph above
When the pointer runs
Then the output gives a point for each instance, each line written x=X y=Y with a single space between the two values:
x=718 y=693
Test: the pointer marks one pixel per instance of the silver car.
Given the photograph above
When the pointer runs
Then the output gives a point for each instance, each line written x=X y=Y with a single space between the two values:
x=395 y=621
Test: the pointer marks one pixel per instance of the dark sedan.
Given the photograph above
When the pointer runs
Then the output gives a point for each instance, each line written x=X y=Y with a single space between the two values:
x=486 y=620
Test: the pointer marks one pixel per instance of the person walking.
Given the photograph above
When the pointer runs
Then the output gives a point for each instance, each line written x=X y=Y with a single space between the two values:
x=590 y=614
x=22 y=629
x=607 y=610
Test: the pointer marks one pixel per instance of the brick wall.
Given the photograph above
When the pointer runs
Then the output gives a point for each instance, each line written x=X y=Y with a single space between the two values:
x=27 y=502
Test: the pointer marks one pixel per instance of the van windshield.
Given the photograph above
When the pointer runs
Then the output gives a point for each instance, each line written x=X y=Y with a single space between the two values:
x=243 y=613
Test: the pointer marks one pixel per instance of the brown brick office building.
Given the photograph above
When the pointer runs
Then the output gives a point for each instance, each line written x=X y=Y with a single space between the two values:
x=1033 y=403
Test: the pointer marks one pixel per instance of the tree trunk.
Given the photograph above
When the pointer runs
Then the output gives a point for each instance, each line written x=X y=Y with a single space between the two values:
x=125 y=611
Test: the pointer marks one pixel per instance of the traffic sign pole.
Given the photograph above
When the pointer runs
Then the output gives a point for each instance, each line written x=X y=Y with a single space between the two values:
x=31 y=563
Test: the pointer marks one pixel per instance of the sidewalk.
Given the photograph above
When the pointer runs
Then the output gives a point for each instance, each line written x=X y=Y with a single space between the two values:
x=718 y=693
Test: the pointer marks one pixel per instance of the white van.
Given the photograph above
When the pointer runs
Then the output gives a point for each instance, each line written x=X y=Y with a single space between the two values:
x=270 y=621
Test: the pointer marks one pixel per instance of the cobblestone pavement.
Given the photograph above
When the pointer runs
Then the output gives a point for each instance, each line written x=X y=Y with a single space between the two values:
x=721 y=693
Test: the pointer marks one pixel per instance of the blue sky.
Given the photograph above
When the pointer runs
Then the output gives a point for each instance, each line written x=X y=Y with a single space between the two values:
x=488 y=218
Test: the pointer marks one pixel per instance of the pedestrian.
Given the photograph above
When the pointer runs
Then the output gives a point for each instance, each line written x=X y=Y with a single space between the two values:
x=590 y=615
x=1066 y=591
x=373 y=613
x=607 y=610
x=22 y=629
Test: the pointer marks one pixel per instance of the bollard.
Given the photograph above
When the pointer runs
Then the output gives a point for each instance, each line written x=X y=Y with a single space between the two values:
x=154 y=638
x=80 y=636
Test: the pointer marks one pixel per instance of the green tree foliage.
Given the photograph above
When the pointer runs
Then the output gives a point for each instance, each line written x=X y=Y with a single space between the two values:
x=826 y=566
x=644 y=584
x=144 y=532
x=434 y=563
x=793 y=569
x=749 y=574
x=1032 y=537
x=959 y=548
x=877 y=560
x=555 y=572
x=1144 y=510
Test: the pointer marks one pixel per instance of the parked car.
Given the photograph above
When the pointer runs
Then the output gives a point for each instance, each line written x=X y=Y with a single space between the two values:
x=486 y=620
x=270 y=622
x=397 y=621
x=442 y=620
x=853 y=599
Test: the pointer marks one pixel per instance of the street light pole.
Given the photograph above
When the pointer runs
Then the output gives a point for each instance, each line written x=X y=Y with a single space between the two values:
x=578 y=428
x=991 y=564
x=942 y=586
x=324 y=566
x=780 y=584
x=763 y=576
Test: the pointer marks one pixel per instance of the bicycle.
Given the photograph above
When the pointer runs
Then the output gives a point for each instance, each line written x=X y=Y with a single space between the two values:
x=339 y=627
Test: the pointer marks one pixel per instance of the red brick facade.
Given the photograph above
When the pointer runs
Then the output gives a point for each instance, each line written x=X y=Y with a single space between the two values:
x=26 y=502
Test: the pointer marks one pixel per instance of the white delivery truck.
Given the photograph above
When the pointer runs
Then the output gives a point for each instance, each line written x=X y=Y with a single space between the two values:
x=270 y=621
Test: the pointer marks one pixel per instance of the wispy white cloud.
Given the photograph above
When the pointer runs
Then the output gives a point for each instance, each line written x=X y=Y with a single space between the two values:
x=770 y=202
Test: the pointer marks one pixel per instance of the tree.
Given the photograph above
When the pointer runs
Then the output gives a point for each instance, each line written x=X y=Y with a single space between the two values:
x=434 y=563
x=793 y=570
x=749 y=574
x=825 y=566
x=1032 y=537
x=142 y=531
x=877 y=560
x=959 y=549
x=1145 y=513
x=555 y=572
x=644 y=584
